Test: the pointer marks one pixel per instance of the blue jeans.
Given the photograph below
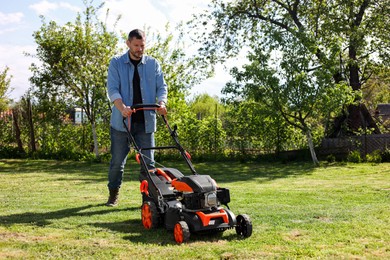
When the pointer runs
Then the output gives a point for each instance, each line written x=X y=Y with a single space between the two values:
x=120 y=149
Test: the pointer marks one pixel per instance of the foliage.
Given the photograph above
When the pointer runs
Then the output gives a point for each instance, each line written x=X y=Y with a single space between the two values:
x=341 y=41
x=181 y=70
x=5 y=81
x=338 y=33
x=204 y=106
x=180 y=73
x=377 y=88
x=374 y=157
x=6 y=130
x=251 y=126
x=289 y=87
x=330 y=158
x=74 y=60
x=354 y=157
x=386 y=155
x=377 y=91
x=54 y=147
x=298 y=75
x=10 y=152
x=203 y=138
x=57 y=137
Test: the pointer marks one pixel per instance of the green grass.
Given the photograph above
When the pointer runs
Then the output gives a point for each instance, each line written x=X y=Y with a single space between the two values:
x=55 y=210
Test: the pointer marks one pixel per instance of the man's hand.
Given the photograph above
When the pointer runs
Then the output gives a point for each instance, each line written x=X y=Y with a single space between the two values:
x=125 y=110
x=163 y=109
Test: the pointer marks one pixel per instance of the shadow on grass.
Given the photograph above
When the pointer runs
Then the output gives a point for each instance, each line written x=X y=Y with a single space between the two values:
x=222 y=172
x=228 y=172
x=43 y=219
x=136 y=233
x=28 y=166
x=86 y=171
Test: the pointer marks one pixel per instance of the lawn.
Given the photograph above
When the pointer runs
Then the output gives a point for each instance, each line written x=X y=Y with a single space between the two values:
x=56 y=210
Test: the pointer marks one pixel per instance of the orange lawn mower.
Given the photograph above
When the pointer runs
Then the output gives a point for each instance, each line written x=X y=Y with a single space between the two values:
x=183 y=204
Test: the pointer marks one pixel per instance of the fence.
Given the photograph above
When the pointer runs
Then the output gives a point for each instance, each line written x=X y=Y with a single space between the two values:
x=366 y=144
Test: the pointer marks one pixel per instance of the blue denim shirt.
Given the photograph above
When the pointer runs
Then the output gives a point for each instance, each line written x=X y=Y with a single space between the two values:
x=120 y=85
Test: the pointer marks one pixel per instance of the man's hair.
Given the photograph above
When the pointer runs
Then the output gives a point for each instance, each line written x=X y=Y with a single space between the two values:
x=136 y=33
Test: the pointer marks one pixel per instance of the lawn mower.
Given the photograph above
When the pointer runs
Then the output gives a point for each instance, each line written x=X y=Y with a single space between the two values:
x=184 y=204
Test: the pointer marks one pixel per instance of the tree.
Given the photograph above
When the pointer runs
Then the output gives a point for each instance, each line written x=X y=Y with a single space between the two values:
x=204 y=106
x=253 y=128
x=209 y=135
x=377 y=91
x=16 y=124
x=74 y=60
x=377 y=88
x=289 y=87
x=7 y=119
x=5 y=82
x=346 y=38
x=181 y=70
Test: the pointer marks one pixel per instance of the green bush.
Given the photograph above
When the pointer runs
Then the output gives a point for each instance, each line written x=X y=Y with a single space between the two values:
x=386 y=155
x=330 y=158
x=104 y=157
x=354 y=157
x=374 y=157
x=8 y=152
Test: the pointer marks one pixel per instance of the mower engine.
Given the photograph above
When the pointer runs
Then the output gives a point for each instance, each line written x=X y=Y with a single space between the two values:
x=200 y=200
x=199 y=192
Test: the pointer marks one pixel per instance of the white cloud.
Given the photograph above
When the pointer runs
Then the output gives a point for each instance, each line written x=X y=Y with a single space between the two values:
x=182 y=10
x=10 y=18
x=70 y=7
x=151 y=13
x=8 y=30
x=134 y=15
x=13 y=57
x=44 y=7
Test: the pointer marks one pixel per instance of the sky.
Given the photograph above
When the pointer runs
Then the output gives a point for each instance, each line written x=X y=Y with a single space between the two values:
x=19 y=19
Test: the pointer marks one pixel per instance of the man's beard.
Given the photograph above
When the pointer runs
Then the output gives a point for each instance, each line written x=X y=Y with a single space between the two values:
x=136 y=54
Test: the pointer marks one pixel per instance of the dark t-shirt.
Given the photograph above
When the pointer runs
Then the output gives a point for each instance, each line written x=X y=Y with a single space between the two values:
x=137 y=96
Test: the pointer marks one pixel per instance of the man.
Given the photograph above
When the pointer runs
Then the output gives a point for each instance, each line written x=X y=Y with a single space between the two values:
x=133 y=78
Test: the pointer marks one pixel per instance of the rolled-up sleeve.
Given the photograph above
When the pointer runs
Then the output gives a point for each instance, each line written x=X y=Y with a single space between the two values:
x=113 y=81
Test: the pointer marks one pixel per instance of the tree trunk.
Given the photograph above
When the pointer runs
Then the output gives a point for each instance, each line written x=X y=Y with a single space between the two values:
x=95 y=141
x=353 y=120
x=31 y=126
x=360 y=118
x=15 y=115
x=311 y=147
x=356 y=117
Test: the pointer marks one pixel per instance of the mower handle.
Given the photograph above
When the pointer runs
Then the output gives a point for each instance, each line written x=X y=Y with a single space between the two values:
x=172 y=132
x=140 y=106
x=137 y=107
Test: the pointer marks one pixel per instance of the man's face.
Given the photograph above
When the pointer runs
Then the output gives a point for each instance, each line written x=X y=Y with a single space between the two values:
x=136 y=48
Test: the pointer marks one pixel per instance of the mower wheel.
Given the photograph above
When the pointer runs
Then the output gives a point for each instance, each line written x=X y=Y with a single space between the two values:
x=181 y=232
x=244 y=226
x=149 y=215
